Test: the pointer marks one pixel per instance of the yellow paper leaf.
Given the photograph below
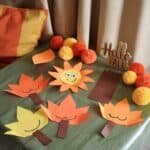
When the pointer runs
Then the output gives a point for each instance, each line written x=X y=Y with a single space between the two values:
x=27 y=122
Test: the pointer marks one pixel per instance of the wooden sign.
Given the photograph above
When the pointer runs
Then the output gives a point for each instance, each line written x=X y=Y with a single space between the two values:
x=118 y=58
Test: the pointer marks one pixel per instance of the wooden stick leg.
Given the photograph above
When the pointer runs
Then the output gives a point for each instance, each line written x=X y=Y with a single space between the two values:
x=45 y=140
x=62 y=129
x=107 y=129
x=36 y=99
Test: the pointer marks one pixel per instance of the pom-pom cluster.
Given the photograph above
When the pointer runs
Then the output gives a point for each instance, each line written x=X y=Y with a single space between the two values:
x=71 y=47
x=137 y=76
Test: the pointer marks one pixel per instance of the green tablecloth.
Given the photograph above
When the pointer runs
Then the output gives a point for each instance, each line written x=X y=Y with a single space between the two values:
x=83 y=137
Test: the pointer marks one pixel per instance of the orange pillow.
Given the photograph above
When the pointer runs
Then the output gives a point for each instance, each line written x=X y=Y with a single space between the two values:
x=20 y=30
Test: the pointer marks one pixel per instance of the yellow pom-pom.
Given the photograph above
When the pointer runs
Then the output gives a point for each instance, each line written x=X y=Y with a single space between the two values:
x=69 y=42
x=129 y=77
x=65 y=53
x=141 y=96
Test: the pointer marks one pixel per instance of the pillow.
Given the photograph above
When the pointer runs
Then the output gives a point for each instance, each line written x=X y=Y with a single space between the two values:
x=20 y=30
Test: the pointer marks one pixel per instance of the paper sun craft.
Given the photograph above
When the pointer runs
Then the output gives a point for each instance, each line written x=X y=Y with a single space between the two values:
x=28 y=87
x=71 y=77
x=118 y=114
x=28 y=124
x=66 y=113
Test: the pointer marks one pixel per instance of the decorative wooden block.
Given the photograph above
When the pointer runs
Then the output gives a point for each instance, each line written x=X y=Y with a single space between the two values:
x=118 y=58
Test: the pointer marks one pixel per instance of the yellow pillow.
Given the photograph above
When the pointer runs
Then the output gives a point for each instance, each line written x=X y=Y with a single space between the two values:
x=20 y=30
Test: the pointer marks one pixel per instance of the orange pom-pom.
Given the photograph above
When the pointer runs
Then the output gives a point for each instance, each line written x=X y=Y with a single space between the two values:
x=56 y=42
x=138 y=68
x=78 y=48
x=143 y=80
x=88 y=56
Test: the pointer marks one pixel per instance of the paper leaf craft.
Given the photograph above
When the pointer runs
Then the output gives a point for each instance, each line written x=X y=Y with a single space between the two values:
x=27 y=123
x=71 y=77
x=66 y=113
x=28 y=87
x=43 y=57
x=120 y=113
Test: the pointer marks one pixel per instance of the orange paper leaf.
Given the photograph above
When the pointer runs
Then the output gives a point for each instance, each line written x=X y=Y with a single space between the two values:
x=43 y=57
x=120 y=113
x=27 y=86
x=66 y=110
x=71 y=77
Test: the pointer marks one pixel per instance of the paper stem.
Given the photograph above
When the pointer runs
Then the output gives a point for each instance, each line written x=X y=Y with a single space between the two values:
x=107 y=129
x=62 y=129
x=36 y=99
x=45 y=140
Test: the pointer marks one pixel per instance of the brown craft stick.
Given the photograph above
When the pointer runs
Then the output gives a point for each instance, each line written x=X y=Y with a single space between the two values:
x=107 y=129
x=62 y=129
x=45 y=140
x=36 y=99
x=105 y=87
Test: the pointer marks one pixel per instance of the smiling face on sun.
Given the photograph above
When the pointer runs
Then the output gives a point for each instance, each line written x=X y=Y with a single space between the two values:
x=28 y=122
x=71 y=77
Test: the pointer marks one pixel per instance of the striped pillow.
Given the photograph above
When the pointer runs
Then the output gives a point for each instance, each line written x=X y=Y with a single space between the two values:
x=20 y=30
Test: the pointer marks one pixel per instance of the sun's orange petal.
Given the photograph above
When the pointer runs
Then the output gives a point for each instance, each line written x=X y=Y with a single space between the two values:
x=78 y=66
x=55 y=82
x=64 y=87
x=74 y=89
x=60 y=70
x=87 y=79
x=86 y=71
x=54 y=74
x=67 y=65
x=83 y=86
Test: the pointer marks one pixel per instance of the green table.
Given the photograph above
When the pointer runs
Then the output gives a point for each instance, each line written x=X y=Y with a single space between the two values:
x=83 y=137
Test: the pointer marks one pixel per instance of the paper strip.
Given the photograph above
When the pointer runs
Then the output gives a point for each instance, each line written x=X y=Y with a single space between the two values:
x=107 y=129
x=63 y=128
x=45 y=140
x=105 y=87
x=36 y=99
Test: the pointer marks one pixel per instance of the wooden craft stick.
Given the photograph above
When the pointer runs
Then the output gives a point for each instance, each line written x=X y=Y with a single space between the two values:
x=45 y=140
x=36 y=99
x=107 y=129
x=62 y=129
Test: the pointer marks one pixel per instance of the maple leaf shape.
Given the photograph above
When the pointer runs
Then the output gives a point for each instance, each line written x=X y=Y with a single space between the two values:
x=27 y=86
x=66 y=110
x=27 y=122
x=120 y=113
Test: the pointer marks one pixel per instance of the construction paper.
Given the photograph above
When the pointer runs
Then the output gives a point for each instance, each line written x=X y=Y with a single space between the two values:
x=43 y=57
x=66 y=110
x=36 y=99
x=27 y=86
x=105 y=87
x=63 y=128
x=71 y=77
x=45 y=140
x=120 y=113
x=27 y=122
x=107 y=129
